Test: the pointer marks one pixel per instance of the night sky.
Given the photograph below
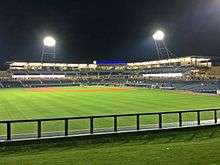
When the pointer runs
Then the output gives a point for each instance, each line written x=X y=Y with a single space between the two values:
x=88 y=30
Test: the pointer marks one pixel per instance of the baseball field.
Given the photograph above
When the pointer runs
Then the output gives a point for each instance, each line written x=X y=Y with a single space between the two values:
x=41 y=103
x=181 y=147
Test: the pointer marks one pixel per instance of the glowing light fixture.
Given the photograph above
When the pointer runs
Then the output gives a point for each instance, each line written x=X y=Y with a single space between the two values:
x=158 y=35
x=49 y=41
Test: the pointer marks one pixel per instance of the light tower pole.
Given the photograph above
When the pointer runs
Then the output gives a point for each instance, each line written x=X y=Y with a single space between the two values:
x=48 y=50
x=160 y=45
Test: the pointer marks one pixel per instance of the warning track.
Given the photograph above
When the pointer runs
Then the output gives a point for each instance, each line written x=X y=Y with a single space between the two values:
x=53 y=90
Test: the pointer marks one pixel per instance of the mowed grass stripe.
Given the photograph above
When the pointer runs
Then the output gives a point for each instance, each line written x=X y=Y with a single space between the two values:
x=23 y=104
x=33 y=105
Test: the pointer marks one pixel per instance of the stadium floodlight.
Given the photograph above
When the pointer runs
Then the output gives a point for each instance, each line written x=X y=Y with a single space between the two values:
x=49 y=41
x=158 y=35
x=48 y=50
x=160 y=45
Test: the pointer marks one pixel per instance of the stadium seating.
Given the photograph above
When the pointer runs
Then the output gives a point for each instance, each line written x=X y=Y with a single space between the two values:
x=195 y=86
x=112 y=75
x=11 y=84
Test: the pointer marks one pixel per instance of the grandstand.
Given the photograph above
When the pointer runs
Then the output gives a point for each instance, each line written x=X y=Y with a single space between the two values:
x=192 y=73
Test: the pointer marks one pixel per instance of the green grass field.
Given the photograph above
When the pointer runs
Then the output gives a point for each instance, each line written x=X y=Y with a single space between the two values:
x=83 y=101
x=169 y=148
x=181 y=147
x=24 y=104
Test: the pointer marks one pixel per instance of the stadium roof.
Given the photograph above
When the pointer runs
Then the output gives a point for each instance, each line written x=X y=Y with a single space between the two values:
x=186 y=60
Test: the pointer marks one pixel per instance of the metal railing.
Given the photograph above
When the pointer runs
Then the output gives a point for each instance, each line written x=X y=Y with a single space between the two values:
x=91 y=119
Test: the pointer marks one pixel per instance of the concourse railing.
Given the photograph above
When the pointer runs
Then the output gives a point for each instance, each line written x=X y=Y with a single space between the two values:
x=159 y=124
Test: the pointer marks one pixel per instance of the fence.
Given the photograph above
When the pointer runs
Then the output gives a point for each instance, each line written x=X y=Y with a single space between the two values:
x=160 y=123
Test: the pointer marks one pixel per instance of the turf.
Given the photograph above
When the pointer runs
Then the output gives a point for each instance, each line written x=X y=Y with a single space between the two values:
x=22 y=104
x=26 y=104
x=181 y=147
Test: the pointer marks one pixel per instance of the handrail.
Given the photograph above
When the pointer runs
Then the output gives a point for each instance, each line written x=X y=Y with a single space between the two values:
x=115 y=117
